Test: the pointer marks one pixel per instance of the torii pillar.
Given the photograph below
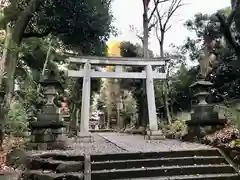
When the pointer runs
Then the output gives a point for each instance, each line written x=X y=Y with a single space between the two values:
x=153 y=131
x=86 y=94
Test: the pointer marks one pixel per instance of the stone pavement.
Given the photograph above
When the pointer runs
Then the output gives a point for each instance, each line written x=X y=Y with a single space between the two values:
x=112 y=142
x=136 y=143
x=81 y=147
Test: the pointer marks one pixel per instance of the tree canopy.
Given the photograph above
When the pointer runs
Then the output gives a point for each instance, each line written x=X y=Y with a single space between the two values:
x=83 y=25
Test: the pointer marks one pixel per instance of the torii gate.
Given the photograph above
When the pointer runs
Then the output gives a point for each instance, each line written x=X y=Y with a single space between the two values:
x=87 y=73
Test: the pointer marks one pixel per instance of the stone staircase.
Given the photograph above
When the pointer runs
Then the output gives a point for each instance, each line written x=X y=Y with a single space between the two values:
x=208 y=164
x=54 y=167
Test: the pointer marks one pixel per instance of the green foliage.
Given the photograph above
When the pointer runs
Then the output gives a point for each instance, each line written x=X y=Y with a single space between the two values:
x=34 y=52
x=86 y=23
x=180 y=87
x=17 y=120
x=196 y=25
x=130 y=110
x=136 y=86
x=179 y=94
x=32 y=99
x=225 y=74
x=226 y=11
x=177 y=129
x=202 y=25
x=82 y=26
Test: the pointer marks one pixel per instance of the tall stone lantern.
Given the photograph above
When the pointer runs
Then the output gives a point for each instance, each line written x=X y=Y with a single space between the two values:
x=204 y=119
x=47 y=131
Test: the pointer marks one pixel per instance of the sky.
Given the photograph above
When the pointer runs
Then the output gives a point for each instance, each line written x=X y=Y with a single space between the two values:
x=129 y=13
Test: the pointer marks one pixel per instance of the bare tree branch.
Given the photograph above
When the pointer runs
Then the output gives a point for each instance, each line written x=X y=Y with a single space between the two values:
x=167 y=28
x=156 y=3
x=175 y=5
x=159 y=17
x=135 y=31
x=160 y=29
x=157 y=34
x=163 y=20
x=152 y=25
x=140 y=37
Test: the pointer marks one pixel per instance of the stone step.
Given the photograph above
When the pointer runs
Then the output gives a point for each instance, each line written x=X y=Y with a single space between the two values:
x=158 y=162
x=195 y=177
x=161 y=171
x=61 y=157
x=55 y=165
x=152 y=155
x=49 y=175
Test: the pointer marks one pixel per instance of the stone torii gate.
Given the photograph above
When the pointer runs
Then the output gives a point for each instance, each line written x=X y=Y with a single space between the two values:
x=87 y=73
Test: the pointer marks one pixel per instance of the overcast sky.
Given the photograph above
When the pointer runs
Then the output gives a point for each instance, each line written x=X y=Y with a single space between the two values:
x=129 y=12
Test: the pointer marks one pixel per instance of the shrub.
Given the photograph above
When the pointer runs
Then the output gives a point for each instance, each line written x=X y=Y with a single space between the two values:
x=16 y=122
x=177 y=129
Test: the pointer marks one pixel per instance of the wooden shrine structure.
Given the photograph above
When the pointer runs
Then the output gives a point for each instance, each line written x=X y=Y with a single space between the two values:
x=86 y=72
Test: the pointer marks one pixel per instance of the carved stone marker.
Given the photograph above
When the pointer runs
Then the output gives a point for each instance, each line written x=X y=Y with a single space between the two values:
x=47 y=131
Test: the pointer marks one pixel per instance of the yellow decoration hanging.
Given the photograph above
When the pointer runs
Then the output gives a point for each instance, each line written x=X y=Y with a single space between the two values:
x=113 y=50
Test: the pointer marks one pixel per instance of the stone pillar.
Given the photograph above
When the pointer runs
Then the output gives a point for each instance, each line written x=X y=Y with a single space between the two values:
x=151 y=99
x=118 y=69
x=47 y=131
x=153 y=131
x=86 y=93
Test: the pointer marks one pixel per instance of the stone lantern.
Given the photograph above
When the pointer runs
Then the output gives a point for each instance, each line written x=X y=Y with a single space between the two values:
x=204 y=119
x=203 y=112
x=47 y=131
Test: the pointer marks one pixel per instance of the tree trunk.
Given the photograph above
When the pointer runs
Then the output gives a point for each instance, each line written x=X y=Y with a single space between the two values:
x=23 y=20
x=165 y=83
x=10 y=54
x=5 y=53
x=118 y=103
x=73 y=122
x=17 y=35
x=3 y=61
x=109 y=114
x=140 y=112
x=144 y=117
x=78 y=120
x=144 y=104
x=168 y=114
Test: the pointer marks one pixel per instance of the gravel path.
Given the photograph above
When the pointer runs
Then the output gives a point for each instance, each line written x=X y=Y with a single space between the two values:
x=120 y=142
x=100 y=145
x=136 y=143
x=84 y=146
